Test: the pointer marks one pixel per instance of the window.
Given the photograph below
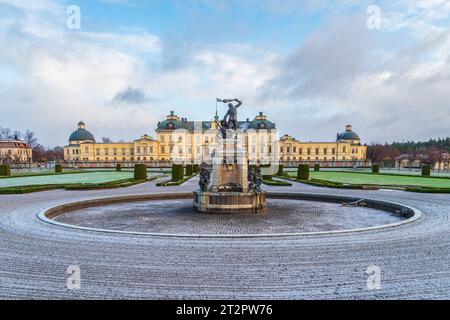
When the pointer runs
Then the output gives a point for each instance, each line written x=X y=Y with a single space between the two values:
x=124 y=151
x=151 y=149
x=163 y=149
x=281 y=149
x=294 y=150
x=145 y=150
x=333 y=151
x=138 y=150
x=86 y=149
x=163 y=139
x=344 y=149
x=309 y=152
x=325 y=151
x=288 y=149
x=132 y=151
x=97 y=151
x=300 y=151
x=106 y=152
x=115 y=151
x=317 y=151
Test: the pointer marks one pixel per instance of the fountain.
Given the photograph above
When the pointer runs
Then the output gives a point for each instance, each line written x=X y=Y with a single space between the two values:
x=230 y=186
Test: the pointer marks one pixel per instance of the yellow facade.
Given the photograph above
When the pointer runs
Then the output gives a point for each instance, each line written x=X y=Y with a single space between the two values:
x=14 y=151
x=342 y=150
x=187 y=141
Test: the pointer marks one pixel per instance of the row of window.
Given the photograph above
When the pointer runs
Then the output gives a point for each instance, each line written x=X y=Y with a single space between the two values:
x=317 y=150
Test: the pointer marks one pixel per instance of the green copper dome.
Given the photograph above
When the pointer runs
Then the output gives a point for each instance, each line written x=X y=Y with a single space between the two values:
x=349 y=134
x=82 y=134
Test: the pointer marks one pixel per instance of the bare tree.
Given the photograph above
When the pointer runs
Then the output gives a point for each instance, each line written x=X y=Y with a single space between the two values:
x=30 y=138
x=6 y=133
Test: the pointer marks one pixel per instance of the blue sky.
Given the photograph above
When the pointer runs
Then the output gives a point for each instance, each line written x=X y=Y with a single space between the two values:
x=311 y=66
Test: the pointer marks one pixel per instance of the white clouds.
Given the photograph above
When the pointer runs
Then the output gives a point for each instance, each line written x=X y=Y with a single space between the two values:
x=389 y=84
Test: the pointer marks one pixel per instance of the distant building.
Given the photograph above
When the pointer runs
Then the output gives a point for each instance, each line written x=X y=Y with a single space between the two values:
x=439 y=161
x=195 y=141
x=15 y=152
x=347 y=147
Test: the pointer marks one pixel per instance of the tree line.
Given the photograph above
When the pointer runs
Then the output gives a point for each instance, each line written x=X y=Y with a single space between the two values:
x=430 y=151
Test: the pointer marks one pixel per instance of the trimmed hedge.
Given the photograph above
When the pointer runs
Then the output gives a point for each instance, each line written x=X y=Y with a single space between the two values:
x=303 y=172
x=58 y=168
x=280 y=170
x=268 y=177
x=177 y=172
x=375 y=169
x=277 y=183
x=118 y=167
x=189 y=170
x=316 y=167
x=196 y=168
x=5 y=170
x=426 y=170
x=140 y=172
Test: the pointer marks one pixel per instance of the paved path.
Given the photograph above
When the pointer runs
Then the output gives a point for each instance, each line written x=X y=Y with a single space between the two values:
x=414 y=259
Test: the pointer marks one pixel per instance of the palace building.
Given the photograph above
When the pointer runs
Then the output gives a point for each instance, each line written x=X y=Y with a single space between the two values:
x=347 y=147
x=191 y=141
x=15 y=151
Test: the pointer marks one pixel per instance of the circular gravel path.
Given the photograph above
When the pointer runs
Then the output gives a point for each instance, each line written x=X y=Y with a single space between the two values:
x=34 y=255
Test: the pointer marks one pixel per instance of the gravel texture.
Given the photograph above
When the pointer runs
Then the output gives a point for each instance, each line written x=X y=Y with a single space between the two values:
x=179 y=217
x=34 y=255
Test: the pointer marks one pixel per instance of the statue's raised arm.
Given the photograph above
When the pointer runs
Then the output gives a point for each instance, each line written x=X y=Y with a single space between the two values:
x=230 y=120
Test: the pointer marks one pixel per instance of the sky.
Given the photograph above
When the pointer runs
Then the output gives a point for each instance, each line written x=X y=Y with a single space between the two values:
x=311 y=66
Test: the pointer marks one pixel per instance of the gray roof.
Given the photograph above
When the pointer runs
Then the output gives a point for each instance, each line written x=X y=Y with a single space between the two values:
x=206 y=125
x=348 y=135
x=82 y=135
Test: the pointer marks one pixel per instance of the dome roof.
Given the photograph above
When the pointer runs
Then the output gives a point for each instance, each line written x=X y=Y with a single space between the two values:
x=82 y=134
x=349 y=134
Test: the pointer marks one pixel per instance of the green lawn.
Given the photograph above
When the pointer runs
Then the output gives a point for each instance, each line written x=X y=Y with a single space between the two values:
x=91 y=178
x=383 y=180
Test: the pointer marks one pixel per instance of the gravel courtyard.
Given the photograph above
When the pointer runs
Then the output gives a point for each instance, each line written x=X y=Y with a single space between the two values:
x=34 y=255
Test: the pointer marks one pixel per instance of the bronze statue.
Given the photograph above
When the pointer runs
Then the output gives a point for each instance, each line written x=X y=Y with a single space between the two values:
x=230 y=119
x=205 y=178
x=255 y=179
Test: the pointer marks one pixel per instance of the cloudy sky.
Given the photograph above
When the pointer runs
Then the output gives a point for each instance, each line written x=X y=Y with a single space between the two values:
x=311 y=66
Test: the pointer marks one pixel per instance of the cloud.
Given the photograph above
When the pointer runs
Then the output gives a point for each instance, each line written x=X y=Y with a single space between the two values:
x=132 y=96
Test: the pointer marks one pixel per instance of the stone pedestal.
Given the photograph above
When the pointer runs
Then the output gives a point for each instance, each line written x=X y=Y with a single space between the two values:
x=229 y=191
x=229 y=202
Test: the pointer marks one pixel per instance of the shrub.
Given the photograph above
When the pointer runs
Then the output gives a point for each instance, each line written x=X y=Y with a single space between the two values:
x=58 y=168
x=426 y=170
x=140 y=172
x=5 y=170
x=376 y=169
x=177 y=172
x=317 y=167
x=118 y=167
x=189 y=170
x=196 y=168
x=303 y=172
x=268 y=177
x=280 y=170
